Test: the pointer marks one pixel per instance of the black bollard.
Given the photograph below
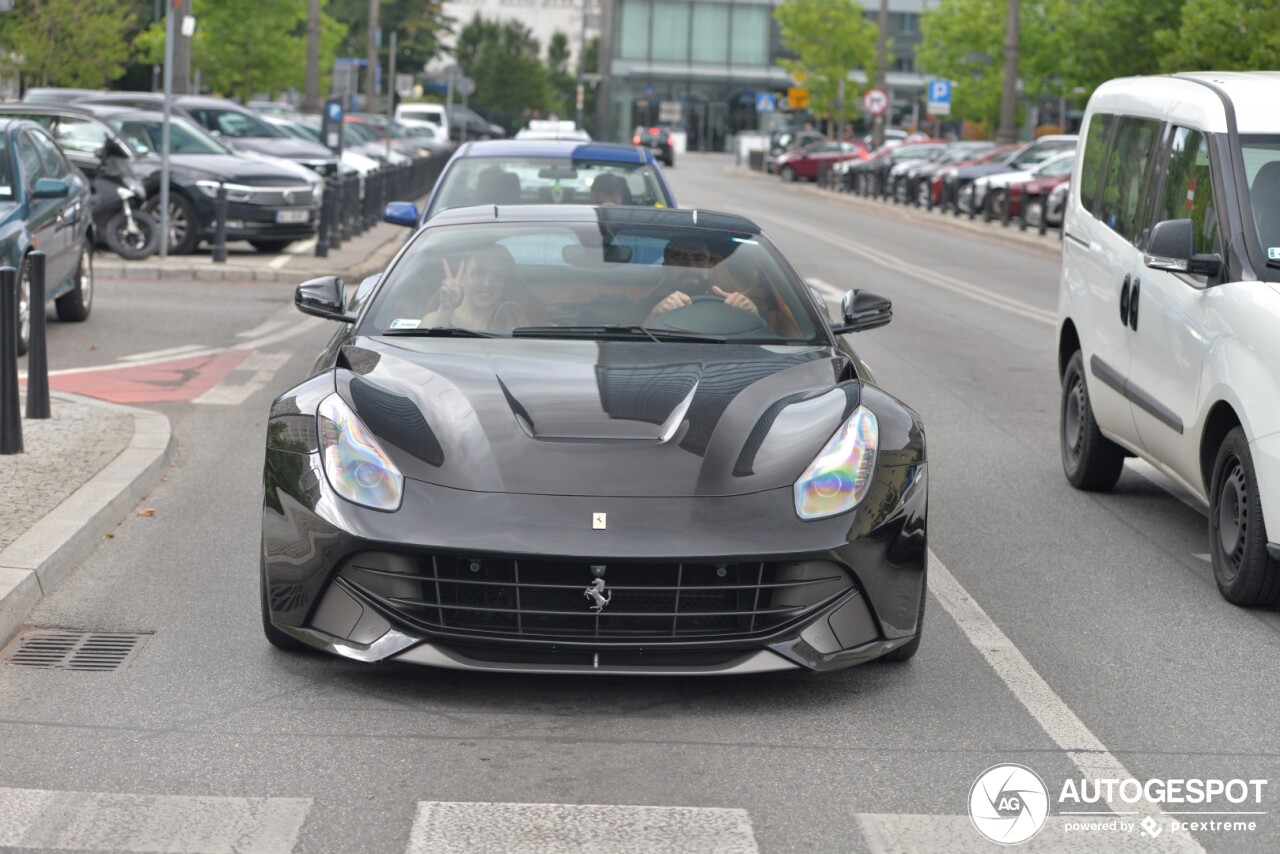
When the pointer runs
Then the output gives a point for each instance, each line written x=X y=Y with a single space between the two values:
x=1022 y=211
x=973 y=199
x=1006 y=209
x=338 y=229
x=220 y=225
x=1044 y=215
x=322 y=227
x=10 y=416
x=38 y=353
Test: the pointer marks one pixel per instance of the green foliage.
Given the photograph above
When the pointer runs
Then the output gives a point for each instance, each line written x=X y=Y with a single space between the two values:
x=503 y=58
x=1114 y=38
x=962 y=40
x=830 y=38
x=1222 y=35
x=81 y=43
x=247 y=47
x=417 y=23
x=563 y=85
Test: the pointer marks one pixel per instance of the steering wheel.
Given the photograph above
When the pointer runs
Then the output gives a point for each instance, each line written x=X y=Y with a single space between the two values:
x=708 y=314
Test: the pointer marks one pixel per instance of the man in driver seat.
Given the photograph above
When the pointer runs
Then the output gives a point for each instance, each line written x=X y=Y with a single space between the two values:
x=687 y=264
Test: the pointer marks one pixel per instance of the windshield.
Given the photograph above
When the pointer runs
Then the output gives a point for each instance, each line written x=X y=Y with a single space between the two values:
x=1261 y=157
x=233 y=123
x=578 y=279
x=144 y=136
x=546 y=181
x=1057 y=167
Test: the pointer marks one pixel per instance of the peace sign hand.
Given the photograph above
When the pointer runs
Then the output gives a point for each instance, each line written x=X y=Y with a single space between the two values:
x=451 y=289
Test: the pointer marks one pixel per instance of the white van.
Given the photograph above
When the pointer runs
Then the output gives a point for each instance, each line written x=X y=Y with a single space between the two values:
x=1169 y=305
x=433 y=115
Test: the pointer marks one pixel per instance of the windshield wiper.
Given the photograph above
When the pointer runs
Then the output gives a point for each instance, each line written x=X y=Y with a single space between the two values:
x=440 y=332
x=614 y=329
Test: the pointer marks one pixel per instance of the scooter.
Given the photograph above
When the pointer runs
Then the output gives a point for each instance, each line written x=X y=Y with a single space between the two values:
x=131 y=234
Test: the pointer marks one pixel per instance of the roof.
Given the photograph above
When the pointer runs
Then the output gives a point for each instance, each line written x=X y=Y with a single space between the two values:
x=611 y=214
x=608 y=152
x=79 y=108
x=1252 y=93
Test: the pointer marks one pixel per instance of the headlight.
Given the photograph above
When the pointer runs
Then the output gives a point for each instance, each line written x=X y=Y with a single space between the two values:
x=839 y=477
x=356 y=466
x=235 y=192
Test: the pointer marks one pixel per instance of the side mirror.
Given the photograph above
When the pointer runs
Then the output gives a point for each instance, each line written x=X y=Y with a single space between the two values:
x=401 y=213
x=862 y=310
x=50 y=188
x=323 y=297
x=1171 y=247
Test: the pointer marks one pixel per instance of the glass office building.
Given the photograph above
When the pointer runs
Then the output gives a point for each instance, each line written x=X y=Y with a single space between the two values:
x=701 y=64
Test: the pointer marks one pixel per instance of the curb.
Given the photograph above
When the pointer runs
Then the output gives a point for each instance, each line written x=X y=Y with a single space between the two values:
x=374 y=263
x=1010 y=236
x=44 y=556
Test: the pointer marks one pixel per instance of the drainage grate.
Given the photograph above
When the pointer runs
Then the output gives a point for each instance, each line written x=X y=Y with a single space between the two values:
x=58 y=649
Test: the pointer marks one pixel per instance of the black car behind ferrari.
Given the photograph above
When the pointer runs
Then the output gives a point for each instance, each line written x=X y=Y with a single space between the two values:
x=607 y=440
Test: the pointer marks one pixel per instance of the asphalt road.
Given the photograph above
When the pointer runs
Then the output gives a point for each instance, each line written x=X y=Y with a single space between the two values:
x=1065 y=632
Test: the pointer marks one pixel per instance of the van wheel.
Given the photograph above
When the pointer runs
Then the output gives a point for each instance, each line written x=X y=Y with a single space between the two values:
x=1245 y=573
x=1091 y=461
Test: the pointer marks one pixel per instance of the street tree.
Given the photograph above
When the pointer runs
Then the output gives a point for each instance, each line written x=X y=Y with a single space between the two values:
x=1115 y=38
x=563 y=84
x=81 y=43
x=417 y=23
x=829 y=38
x=504 y=59
x=1222 y=35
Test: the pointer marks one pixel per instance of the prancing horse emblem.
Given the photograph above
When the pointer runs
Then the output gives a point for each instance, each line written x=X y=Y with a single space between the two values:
x=598 y=594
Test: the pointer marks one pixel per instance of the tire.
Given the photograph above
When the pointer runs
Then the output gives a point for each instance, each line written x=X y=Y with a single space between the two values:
x=1090 y=460
x=272 y=246
x=1246 y=574
x=184 y=222
x=908 y=650
x=135 y=246
x=924 y=194
x=24 y=307
x=274 y=636
x=1035 y=210
x=75 y=305
x=788 y=174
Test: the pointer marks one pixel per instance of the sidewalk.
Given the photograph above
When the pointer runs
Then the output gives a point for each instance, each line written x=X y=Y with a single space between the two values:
x=86 y=468
x=359 y=257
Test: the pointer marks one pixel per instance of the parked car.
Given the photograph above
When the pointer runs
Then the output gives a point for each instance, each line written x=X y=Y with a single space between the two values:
x=56 y=95
x=907 y=158
x=658 y=139
x=789 y=139
x=1032 y=195
x=466 y=124
x=352 y=162
x=998 y=185
x=44 y=203
x=432 y=115
x=518 y=172
x=1021 y=159
x=766 y=502
x=918 y=176
x=1169 y=305
x=808 y=161
x=241 y=129
x=948 y=180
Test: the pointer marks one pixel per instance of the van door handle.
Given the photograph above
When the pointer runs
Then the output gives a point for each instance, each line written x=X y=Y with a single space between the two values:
x=1124 y=303
x=1133 y=306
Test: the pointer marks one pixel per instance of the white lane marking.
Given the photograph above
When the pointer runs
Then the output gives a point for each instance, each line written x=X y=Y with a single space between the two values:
x=90 y=821
x=263 y=366
x=172 y=352
x=1085 y=750
x=1144 y=469
x=303 y=248
x=955 y=834
x=931 y=277
x=295 y=327
x=446 y=827
x=279 y=261
x=1204 y=557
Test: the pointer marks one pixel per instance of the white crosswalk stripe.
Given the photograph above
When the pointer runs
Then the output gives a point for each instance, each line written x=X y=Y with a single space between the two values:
x=444 y=827
x=42 y=820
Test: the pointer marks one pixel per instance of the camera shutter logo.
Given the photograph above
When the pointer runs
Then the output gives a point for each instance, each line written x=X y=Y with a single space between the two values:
x=1008 y=804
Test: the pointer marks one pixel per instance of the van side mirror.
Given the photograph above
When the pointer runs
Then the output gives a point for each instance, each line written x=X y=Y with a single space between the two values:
x=862 y=310
x=1171 y=247
x=401 y=213
x=323 y=297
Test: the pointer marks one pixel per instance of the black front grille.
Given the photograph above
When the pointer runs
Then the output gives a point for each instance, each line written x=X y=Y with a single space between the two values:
x=551 y=599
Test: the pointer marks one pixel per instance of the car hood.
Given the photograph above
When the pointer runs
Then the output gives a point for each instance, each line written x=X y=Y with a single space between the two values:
x=558 y=417
x=219 y=167
x=280 y=146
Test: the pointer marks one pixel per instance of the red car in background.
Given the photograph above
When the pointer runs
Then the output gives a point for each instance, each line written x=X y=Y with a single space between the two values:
x=1036 y=192
x=993 y=155
x=806 y=162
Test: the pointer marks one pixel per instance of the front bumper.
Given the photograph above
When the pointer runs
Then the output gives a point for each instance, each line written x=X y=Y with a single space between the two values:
x=312 y=538
x=257 y=222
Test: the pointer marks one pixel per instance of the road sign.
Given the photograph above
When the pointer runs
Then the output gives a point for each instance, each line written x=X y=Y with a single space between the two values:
x=939 y=97
x=404 y=85
x=765 y=102
x=875 y=102
x=797 y=99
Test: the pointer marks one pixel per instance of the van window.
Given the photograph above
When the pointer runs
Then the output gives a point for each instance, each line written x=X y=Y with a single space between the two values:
x=1095 y=154
x=1125 y=172
x=1261 y=155
x=1188 y=189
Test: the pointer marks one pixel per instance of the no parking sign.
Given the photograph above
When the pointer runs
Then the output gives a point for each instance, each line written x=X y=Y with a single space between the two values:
x=875 y=102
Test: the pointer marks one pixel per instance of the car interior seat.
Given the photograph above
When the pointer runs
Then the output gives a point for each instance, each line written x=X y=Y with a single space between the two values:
x=1265 y=196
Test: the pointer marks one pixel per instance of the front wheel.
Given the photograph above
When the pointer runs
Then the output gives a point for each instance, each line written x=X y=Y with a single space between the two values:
x=1246 y=574
x=184 y=222
x=1090 y=460
x=133 y=243
x=74 y=305
x=788 y=174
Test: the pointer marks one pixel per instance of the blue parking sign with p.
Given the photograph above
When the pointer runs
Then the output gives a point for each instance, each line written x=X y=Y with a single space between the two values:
x=940 y=91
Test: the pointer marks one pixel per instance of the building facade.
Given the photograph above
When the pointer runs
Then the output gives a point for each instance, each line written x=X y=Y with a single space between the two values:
x=543 y=17
x=703 y=64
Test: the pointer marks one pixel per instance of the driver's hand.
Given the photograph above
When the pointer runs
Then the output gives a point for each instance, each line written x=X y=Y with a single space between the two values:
x=737 y=300
x=679 y=299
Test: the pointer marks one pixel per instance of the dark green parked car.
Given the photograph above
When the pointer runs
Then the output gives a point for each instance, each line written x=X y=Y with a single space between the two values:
x=44 y=205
